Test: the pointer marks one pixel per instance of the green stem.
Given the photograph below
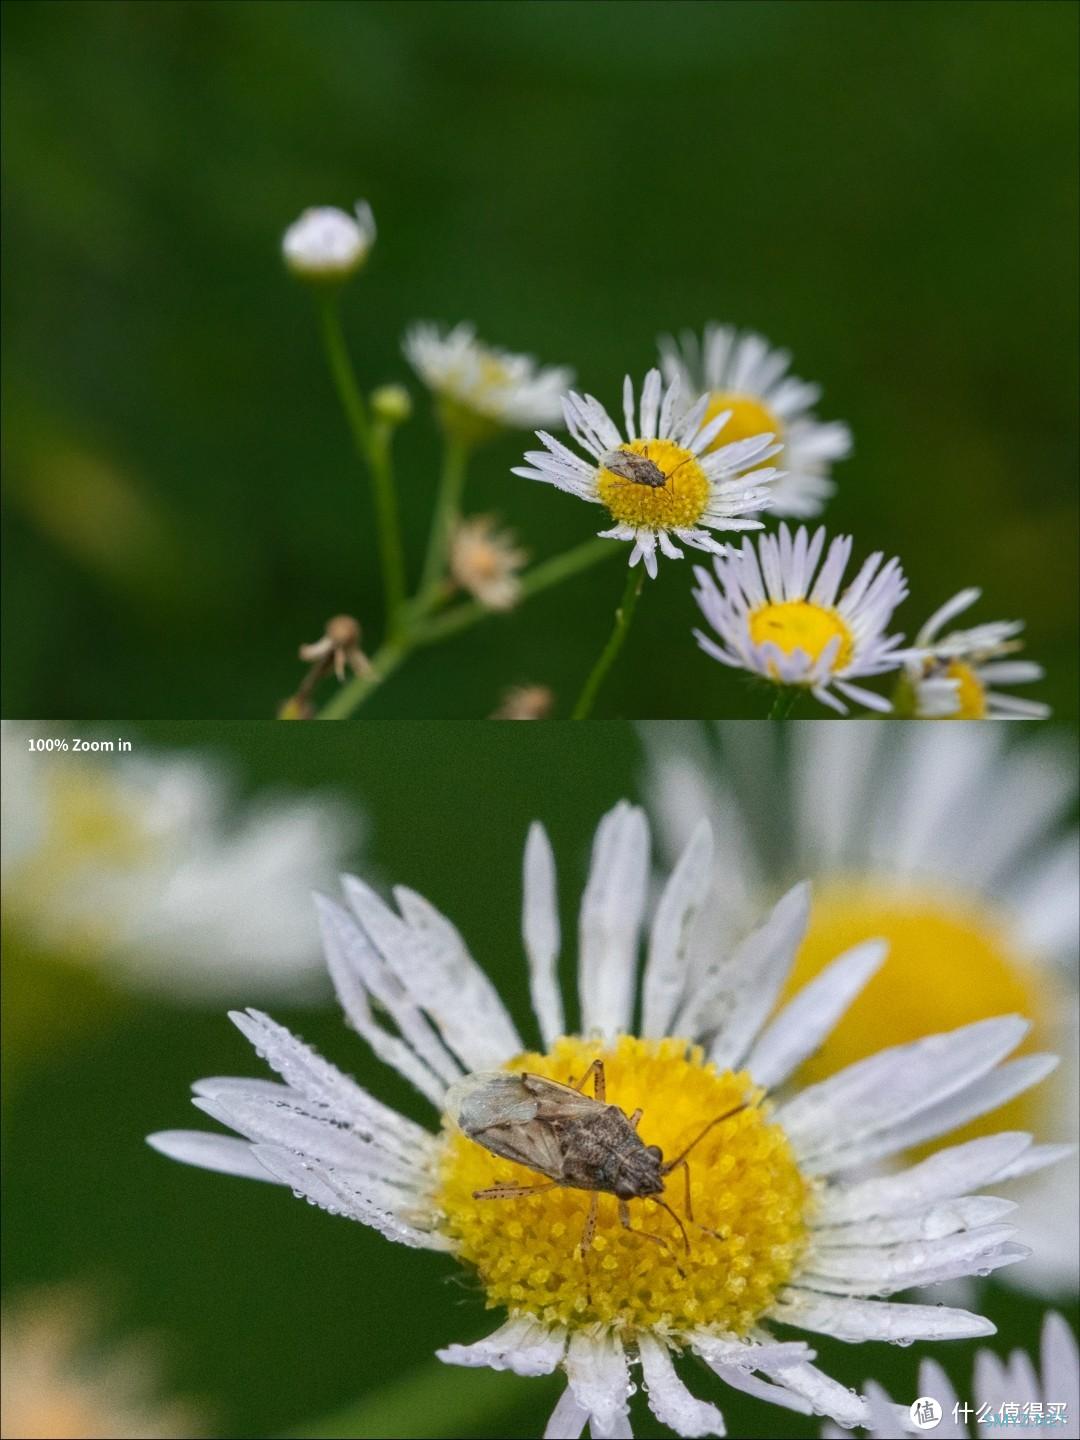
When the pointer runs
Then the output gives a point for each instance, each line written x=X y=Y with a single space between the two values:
x=352 y=695
x=446 y=516
x=541 y=577
x=462 y=617
x=623 y=615
x=373 y=448
x=787 y=697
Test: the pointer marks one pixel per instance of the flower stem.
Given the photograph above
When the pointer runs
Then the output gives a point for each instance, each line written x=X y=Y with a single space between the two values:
x=351 y=696
x=462 y=617
x=623 y=615
x=787 y=697
x=447 y=514
x=373 y=448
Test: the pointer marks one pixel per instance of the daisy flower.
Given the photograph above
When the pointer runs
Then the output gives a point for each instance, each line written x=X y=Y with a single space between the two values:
x=952 y=678
x=769 y=1224
x=665 y=479
x=1012 y=1394
x=147 y=869
x=955 y=847
x=480 y=389
x=781 y=617
x=746 y=377
x=485 y=561
x=326 y=244
x=61 y=1383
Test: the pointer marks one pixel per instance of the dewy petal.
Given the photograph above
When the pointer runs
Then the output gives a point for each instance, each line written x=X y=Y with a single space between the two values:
x=823 y=1394
x=522 y=1345
x=669 y=945
x=596 y=1369
x=944 y=1174
x=740 y=1379
x=350 y=958
x=611 y=914
x=568 y=1419
x=669 y=1399
x=809 y=1017
x=884 y=1269
x=1060 y=1364
x=222 y=1153
x=946 y=1218
x=540 y=929
x=857 y=1320
x=892 y=1085
x=761 y=965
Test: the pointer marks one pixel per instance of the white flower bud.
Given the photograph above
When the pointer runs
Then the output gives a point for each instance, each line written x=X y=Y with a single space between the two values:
x=328 y=244
x=392 y=404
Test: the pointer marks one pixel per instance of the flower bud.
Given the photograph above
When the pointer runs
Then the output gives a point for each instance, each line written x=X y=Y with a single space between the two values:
x=392 y=404
x=328 y=245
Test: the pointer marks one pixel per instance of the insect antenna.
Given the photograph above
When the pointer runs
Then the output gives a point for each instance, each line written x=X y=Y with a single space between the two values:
x=671 y=1165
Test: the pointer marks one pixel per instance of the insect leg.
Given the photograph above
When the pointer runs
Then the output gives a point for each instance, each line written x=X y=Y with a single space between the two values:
x=682 y=1228
x=727 y=1115
x=595 y=1073
x=509 y=1192
x=636 y=1117
x=585 y=1243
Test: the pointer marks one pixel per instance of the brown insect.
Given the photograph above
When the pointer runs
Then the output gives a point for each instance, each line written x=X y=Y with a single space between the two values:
x=639 y=468
x=578 y=1142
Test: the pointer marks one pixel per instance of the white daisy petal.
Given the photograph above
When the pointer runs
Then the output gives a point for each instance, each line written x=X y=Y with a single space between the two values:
x=810 y=1015
x=540 y=928
x=856 y=1320
x=1060 y=1364
x=611 y=915
x=824 y=1395
x=597 y=1374
x=567 y=1420
x=669 y=1399
x=947 y=1218
x=678 y=909
x=521 y=1345
x=222 y=1153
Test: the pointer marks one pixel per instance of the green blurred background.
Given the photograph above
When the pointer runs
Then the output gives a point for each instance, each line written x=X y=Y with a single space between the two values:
x=888 y=190
x=270 y=1312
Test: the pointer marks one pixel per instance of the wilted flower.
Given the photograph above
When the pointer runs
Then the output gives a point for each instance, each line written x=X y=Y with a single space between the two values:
x=327 y=244
x=485 y=561
x=338 y=648
x=62 y=1383
x=525 y=702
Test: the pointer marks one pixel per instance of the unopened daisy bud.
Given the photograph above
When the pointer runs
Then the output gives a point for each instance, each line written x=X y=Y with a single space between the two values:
x=296 y=707
x=327 y=245
x=338 y=647
x=392 y=404
x=480 y=390
x=485 y=561
x=950 y=677
x=525 y=702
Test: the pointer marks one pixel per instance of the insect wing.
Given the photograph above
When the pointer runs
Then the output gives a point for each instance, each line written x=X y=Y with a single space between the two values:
x=518 y=1117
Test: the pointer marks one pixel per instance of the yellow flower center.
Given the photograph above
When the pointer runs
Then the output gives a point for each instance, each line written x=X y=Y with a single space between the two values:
x=802 y=625
x=970 y=695
x=745 y=1187
x=950 y=962
x=676 y=504
x=749 y=417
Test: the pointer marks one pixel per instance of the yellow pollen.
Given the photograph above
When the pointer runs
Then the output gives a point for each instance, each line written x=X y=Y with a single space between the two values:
x=677 y=504
x=745 y=1186
x=971 y=695
x=749 y=417
x=802 y=625
x=950 y=962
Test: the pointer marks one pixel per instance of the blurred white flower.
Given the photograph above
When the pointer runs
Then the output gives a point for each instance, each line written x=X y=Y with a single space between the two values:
x=147 y=869
x=485 y=561
x=61 y=1383
x=745 y=375
x=952 y=678
x=329 y=244
x=944 y=840
x=481 y=388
